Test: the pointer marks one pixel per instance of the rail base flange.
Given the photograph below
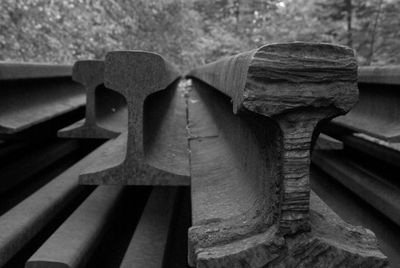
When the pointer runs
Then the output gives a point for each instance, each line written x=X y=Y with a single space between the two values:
x=330 y=243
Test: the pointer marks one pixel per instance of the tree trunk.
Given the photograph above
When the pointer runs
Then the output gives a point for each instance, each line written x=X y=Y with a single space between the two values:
x=373 y=33
x=349 y=9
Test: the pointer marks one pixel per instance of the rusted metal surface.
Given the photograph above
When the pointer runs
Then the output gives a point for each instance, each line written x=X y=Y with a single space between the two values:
x=106 y=113
x=250 y=188
x=295 y=98
x=23 y=226
x=154 y=149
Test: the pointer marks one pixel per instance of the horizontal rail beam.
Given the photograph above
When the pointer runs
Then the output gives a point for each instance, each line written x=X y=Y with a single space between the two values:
x=24 y=105
x=389 y=75
x=23 y=70
x=377 y=113
x=149 y=242
x=367 y=185
x=378 y=149
x=21 y=223
x=356 y=212
x=74 y=241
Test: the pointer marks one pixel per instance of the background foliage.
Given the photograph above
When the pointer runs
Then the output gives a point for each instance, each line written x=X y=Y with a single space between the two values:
x=193 y=32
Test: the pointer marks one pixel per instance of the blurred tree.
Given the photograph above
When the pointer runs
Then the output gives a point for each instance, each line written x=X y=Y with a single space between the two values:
x=366 y=25
x=193 y=32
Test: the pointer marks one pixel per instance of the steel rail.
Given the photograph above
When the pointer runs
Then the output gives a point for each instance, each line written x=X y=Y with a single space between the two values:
x=106 y=114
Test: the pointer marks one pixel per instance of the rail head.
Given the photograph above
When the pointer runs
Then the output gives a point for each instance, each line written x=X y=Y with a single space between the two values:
x=138 y=73
x=270 y=79
x=20 y=71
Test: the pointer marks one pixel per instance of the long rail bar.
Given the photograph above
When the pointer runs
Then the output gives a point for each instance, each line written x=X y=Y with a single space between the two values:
x=21 y=70
x=149 y=242
x=51 y=93
x=20 y=224
x=377 y=113
x=250 y=189
x=72 y=244
x=25 y=221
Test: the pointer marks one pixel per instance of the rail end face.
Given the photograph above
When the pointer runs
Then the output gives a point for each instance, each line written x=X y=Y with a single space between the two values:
x=137 y=72
x=135 y=75
x=298 y=85
x=286 y=77
x=89 y=73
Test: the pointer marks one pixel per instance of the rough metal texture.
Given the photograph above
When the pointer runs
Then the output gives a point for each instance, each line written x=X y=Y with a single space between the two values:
x=154 y=149
x=331 y=243
x=250 y=171
x=377 y=113
x=233 y=181
x=297 y=85
x=106 y=113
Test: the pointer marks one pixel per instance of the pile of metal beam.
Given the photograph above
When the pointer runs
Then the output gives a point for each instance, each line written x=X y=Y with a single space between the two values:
x=358 y=155
x=210 y=170
x=47 y=218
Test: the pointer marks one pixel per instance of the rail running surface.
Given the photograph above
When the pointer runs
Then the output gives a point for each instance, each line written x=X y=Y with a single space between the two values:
x=40 y=194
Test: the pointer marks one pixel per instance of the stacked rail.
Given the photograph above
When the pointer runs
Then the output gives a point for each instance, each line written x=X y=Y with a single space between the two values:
x=46 y=216
x=358 y=154
x=48 y=141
